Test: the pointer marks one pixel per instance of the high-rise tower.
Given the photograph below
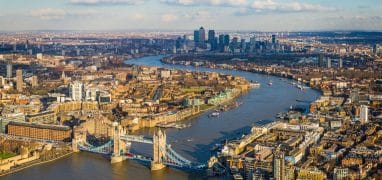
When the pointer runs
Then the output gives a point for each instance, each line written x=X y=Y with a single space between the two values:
x=19 y=80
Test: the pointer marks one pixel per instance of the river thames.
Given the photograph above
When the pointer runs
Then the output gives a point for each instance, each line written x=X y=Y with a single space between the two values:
x=194 y=143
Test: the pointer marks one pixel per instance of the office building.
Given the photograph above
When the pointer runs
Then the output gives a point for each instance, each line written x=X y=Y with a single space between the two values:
x=34 y=81
x=328 y=63
x=19 y=80
x=341 y=174
x=2 y=81
x=364 y=115
x=196 y=37
x=9 y=70
x=39 y=131
x=221 y=42
x=39 y=56
x=321 y=62
x=376 y=49
x=76 y=91
x=212 y=40
x=340 y=63
x=279 y=164
x=202 y=38
x=354 y=96
x=274 y=39
x=226 y=40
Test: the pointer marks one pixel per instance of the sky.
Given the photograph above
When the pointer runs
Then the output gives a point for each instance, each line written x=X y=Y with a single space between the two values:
x=235 y=15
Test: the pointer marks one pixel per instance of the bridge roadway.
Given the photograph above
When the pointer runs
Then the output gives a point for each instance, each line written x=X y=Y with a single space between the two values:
x=104 y=149
x=140 y=139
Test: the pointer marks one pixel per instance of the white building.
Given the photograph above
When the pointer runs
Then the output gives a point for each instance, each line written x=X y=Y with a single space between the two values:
x=39 y=56
x=91 y=94
x=364 y=116
x=76 y=90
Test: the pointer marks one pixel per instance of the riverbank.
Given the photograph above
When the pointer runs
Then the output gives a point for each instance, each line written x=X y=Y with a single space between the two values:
x=212 y=65
x=184 y=114
x=34 y=163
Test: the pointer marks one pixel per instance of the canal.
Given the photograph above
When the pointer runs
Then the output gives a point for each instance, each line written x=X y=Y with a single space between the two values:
x=194 y=142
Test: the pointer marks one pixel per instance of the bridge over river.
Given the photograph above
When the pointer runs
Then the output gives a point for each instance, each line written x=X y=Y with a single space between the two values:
x=118 y=150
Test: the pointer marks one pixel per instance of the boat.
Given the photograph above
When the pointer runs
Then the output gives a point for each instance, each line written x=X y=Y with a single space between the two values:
x=182 y=126
x=214 y=114
x=270 y=83
x=254 y=84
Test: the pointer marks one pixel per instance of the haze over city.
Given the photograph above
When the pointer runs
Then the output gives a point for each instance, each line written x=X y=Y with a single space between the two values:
x=254 y=15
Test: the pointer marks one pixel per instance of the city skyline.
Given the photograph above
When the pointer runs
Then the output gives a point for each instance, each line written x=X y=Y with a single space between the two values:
x=254 y=15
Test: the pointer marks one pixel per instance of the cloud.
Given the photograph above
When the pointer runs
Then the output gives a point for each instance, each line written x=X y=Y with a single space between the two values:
x=167 y=18
x=266 y=5
x=206 y=2
x=106 y=2
x=271 y=6
x=199 y=15
x=138 y=17
x=49 y=13
x=57 y=14
x=248 y=7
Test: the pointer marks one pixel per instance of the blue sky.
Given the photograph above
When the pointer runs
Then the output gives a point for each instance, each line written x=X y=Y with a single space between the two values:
x=261 y=15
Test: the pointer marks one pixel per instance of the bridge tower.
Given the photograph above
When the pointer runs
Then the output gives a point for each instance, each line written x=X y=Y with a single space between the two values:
x=118 y=144
x=159 y=151
x=75 y=145
x=78 y=137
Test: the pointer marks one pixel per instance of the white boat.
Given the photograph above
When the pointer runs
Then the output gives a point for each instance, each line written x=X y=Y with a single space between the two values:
x=214 y=114
x=255 y=85
x=270 y=83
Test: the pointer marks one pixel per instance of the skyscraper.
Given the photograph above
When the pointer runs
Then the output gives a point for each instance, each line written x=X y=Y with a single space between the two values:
x=321 y=62
x=340 y=63
x=9 y=70
x=226 y=40
x=376 y=49
x=202 y=38
x=274 y=39
x=19 y=80
x=211 y=39
x=328 y=62
x=221 y=42
x=364 y=116
x=278 y=164
x=196 y=37
x=76 y=90
x=211 y=35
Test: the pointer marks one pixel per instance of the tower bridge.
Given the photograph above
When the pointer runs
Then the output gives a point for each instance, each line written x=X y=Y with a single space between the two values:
x=117 y=149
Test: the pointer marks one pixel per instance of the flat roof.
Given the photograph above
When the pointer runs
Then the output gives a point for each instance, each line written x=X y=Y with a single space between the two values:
x=40 y=126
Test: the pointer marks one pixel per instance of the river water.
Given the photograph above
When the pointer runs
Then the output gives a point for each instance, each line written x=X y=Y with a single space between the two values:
x=193 y=143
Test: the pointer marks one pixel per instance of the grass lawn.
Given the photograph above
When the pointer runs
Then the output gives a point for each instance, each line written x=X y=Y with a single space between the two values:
x=193 y=89
x=205 y=106
x=5 y=155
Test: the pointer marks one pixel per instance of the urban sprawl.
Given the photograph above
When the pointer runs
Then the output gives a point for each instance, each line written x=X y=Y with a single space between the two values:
x=64 y=92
